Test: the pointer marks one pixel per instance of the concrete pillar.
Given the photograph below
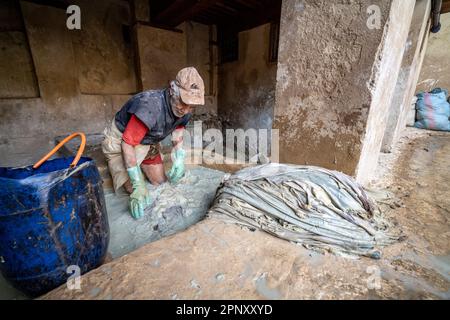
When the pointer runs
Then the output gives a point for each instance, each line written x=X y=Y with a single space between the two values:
x=337 y=69
x=409 y=74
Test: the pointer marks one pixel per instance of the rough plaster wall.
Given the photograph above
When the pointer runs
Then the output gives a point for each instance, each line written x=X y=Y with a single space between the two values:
x=162 y=54
x=325 y=61
x=407 y=79
x=16 y=66
x=104 y=59
x=52 y=50
x=384 y=79
x=18 y=78
x=435 y=71
x=247 y=86
x=23 y=133
x=25 y=124
x=28 y=126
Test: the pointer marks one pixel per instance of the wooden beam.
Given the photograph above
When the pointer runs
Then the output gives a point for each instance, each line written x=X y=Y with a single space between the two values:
x=251 y=4
x=59 y=4
x=252 y=18
x=159 y=26
x=226 y=8
x=182 y=10
x=217 y=14
x=174 y=9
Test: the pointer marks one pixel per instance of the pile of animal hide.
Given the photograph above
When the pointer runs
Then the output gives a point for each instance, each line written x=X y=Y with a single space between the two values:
x=321 y=209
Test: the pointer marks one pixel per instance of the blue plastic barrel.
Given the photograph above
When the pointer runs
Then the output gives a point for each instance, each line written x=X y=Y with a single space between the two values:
x=51 y=218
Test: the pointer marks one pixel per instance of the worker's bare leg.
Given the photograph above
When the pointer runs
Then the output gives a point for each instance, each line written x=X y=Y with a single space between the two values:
x=128 y=187
x=154 y=173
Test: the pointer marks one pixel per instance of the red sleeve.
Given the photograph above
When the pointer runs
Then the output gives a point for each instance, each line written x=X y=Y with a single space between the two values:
x=180 y=127
x=134 y=131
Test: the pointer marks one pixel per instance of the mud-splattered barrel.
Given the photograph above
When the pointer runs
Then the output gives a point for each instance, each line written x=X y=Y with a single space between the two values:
x=53 y=222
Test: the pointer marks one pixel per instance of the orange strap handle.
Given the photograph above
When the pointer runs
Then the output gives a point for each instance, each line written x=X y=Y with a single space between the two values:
x=77 y=157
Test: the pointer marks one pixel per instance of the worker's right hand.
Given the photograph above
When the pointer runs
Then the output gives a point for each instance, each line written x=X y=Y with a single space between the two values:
x=177 y=170
x=140 y=197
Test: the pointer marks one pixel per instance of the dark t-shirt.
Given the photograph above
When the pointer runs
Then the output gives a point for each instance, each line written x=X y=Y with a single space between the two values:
x=152 y=107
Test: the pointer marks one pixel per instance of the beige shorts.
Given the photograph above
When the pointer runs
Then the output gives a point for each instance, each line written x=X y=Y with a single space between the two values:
x=112 y=149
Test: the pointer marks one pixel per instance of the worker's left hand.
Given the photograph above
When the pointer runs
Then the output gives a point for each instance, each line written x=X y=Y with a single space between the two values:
x=177 y=170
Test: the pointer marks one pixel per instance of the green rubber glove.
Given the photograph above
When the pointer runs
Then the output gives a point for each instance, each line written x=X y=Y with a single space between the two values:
x=140 y=197
x=177 y=170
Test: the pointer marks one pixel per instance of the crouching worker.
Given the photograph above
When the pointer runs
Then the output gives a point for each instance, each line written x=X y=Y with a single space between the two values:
x=132 y=142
